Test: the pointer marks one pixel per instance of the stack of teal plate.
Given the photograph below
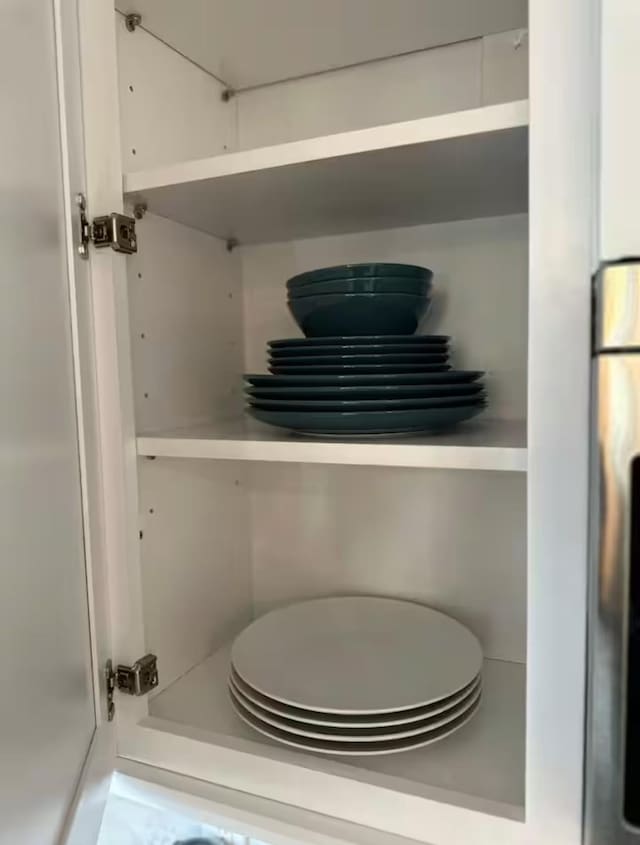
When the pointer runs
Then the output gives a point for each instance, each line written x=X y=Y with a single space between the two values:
x=354 y=383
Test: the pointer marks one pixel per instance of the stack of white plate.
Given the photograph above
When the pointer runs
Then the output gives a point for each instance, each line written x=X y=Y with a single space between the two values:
x=356 y=675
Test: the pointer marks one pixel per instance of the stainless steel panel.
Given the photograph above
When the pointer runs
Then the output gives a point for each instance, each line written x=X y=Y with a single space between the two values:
x=617 y=442
x=618 y=309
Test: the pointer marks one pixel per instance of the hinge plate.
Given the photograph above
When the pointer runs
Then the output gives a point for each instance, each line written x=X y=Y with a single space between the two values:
x=138 y=679
x=115 y=230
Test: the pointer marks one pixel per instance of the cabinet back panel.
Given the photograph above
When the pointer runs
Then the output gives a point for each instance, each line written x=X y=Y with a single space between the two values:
x=452 y=540
x=195 y=551
x=480 y=292
x=186 y=326
x=465 y=75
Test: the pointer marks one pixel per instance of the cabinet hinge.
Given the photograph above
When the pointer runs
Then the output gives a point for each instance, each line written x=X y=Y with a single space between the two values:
x=138 y=679
x=115 y=230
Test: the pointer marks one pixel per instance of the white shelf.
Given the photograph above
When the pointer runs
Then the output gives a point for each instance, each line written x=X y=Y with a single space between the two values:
x=481 y=767
x=484 y=445
x=468 y=164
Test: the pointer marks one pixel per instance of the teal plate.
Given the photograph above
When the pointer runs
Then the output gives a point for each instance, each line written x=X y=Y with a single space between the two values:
x=355 y=369
x=374 y=391
x=369 y=284
x=367 y=422
x=369 y=349
x=359 y=271
x=345 y=360
x=358 y=340
x=441 y=375
x=307 y=405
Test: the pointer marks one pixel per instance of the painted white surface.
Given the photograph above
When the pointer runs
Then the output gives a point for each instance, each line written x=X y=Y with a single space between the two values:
x=248 y=42
x=47 y=707
x=505 y=66
x=110 y=338
x=196 y=566
x=185 y=302
x=480 y=293
x=481 y=767
x=277 y=823
x=452 y=541
x=436 y=81
x=464 y=75
x=485 y=445
x=170 y=110
x=619 y=129
x=462 y=165
x=563 y=253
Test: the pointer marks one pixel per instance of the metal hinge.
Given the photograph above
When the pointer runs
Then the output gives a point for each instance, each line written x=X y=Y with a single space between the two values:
x=138 y=679
x=115 y=230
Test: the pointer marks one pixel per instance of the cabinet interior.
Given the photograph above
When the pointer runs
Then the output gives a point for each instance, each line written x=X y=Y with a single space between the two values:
x=223 y=541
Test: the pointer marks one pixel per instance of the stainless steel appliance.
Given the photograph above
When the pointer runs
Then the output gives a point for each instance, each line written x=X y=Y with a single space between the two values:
x=612 y=804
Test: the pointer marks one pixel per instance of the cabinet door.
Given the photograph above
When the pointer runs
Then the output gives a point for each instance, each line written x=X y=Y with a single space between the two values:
x=619 y=130
x=56 y=755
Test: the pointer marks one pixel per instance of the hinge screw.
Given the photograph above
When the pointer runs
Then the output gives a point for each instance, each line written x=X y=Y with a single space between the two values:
x=139 y=210
x=132 y=20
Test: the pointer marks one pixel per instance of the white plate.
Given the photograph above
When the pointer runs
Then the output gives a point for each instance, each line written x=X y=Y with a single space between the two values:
x=310 y=717
x=340 y=735
x=357 y=749
x=359 y=654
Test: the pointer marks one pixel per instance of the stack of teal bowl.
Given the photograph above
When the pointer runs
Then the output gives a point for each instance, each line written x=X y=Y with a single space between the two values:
x=360 y=369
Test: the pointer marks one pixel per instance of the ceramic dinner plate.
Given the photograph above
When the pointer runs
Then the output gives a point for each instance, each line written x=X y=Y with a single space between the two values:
x=355 y=369
x=356 y=654
x=375 y=734
x=379 y=391
x=360 y=340
x=347 y=360
x=362 y=349
x=321 y=746
x=364 y=404
x=441 y=375
x=339 y=423
x=332 y=720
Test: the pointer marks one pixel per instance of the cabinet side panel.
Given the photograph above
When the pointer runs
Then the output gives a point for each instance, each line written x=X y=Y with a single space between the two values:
x=195 y=559
x=480 y=293
x=451 y=540
x=170 y=110
x=186 y=326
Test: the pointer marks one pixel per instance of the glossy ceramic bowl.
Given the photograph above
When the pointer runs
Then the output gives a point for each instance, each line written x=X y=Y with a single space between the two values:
x=359 y=313
x=359 y=271
x=369 y=284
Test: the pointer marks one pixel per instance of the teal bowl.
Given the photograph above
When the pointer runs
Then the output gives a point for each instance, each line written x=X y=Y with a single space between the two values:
x=327 y=315
x=359 y=271
x=372 y=284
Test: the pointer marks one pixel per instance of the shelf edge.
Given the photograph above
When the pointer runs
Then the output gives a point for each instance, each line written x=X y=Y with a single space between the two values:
x=421 y=130
x=426 y=456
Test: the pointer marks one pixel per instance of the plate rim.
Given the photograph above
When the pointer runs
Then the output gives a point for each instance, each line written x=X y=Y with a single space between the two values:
x=440 y=720
x=447 y=730
x=467 y=640
x=398 y=717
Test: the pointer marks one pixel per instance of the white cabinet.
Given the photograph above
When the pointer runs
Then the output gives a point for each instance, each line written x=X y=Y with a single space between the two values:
x=256 y=140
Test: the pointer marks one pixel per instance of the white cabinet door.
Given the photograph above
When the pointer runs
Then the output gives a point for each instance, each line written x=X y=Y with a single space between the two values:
x=56 y=745
x=620 y=129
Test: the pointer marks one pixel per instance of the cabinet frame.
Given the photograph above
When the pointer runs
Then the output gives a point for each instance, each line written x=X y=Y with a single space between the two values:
x=563 y=105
